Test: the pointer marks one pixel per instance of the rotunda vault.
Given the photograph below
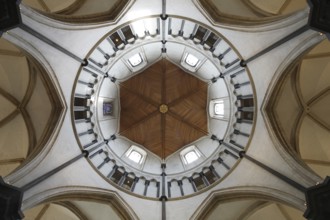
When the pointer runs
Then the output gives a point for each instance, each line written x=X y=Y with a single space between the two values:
x=139 y=105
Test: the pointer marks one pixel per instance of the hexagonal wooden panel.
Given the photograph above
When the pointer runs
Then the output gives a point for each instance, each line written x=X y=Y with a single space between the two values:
x=182 y=118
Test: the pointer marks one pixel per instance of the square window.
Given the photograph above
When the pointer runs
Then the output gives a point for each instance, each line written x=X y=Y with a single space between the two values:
x=135 y=60
x=135 y=156
x=191 y=156
x=219 y=108
x=191 y=60
x=107 y=108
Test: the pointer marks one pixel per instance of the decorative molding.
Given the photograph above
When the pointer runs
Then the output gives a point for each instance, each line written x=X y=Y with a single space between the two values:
x=258 y=205
x=73 y=208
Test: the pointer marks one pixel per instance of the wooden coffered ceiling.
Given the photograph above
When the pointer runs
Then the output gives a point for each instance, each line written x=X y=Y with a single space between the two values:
x=184 y=117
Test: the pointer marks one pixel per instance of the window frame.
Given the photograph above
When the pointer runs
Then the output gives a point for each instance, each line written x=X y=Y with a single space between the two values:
x=189 y=55
x=220 y=102
x=187 y=150
x=132 y=64
x=138 y=150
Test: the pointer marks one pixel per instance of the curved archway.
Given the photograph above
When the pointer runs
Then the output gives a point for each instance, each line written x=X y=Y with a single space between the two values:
x=30 y=107
x=60 y=210
x=80 y=11
x=87 y=194
x=249 y=12
x=297 y=109
x=282 y=212
x=243 y=193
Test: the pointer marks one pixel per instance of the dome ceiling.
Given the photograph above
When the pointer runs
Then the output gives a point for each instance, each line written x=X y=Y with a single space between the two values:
x=181 y=122
x=136 y=107
x=157 y=106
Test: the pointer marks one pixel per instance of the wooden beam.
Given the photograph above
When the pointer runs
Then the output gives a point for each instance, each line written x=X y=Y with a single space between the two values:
x=163 y=133
x=144 y=98
x=177 y=117
x=140 y=121
x=174 y=102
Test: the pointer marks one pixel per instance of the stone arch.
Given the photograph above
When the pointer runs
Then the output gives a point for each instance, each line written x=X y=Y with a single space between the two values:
x=81 y=11
x=248 y=192
x=85 y=194
x=33 y=98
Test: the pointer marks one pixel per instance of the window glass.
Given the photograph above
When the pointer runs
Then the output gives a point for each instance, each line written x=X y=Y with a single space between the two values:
x=191 y=156
x=219 y=108
x=107 y=108
x=191 y=60
x=135 y=156
x=135 y=60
